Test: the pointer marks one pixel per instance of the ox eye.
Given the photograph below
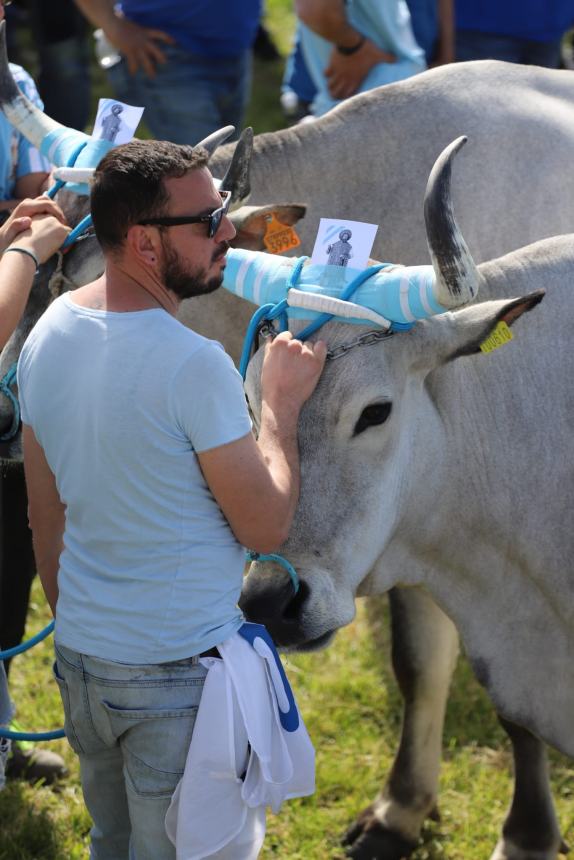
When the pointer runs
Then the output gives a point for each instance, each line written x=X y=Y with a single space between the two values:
x=371 y=416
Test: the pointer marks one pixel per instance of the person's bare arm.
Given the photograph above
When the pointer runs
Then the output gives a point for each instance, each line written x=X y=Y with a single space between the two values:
x=31 y=185
x=256 y=483
x=36 y=226
x=345 y=73
x=445 y=44
x=26 y=187
x=46 y=515
x=327 y=18
x=139 y=45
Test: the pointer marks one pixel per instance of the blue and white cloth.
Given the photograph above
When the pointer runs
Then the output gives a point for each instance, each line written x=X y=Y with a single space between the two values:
x=17 y=156
x=250 y=749
x=401 y=294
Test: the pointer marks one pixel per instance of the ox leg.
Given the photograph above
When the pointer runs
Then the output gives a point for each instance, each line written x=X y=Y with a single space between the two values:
x=425 y=648
x=530 y=831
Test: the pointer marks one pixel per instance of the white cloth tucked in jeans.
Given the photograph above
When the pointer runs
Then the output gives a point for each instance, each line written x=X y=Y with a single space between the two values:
x=250 y=749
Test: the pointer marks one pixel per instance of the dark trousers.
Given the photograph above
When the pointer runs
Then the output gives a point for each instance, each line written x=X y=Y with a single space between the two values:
x=17 y=560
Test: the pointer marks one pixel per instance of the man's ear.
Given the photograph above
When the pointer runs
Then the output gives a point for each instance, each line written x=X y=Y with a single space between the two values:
x=144 y=244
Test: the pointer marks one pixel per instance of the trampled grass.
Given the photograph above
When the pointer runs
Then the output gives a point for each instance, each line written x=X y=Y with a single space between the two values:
x=347 y=695
x=352 y=709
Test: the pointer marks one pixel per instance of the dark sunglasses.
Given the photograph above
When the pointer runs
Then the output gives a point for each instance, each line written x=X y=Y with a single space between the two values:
x=213 y=220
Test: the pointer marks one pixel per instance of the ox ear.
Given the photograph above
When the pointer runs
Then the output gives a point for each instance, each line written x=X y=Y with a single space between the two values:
x=459 y=333
x=251 y=222
x=507 y=312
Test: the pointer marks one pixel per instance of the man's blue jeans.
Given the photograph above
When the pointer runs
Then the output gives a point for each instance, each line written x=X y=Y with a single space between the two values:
x=190 y=97
x=131 y=727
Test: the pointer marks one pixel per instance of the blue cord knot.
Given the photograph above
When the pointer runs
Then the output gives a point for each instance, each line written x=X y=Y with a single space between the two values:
x=257 y=556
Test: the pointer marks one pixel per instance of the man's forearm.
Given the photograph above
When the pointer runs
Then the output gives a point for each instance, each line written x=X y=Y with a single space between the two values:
x=327 y=18
x=278 y=443
x=48 y=539
x=47 y=566
x=46 y=515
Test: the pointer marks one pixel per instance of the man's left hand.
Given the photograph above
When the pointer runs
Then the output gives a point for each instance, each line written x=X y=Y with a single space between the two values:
x=345 y=74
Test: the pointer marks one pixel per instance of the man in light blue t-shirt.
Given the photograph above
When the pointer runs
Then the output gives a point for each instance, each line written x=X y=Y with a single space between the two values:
x=145 y=483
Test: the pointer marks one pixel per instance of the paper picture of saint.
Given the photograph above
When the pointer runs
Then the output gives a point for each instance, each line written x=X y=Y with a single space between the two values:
x=340 y=252
x=342 y=248
x=116 y=122
x=111 y=123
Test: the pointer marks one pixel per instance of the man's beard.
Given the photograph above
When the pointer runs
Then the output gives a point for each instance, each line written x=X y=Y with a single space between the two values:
x=189 y=282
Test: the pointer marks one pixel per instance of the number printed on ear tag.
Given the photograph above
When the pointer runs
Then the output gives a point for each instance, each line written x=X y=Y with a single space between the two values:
x=279 y=237
x=500 y=335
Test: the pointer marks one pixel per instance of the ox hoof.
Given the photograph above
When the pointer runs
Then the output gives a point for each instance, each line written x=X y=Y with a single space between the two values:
x=368 y=839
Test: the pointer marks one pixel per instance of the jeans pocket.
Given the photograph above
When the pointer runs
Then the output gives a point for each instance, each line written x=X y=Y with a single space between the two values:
x=154 y=743
x=69 y=729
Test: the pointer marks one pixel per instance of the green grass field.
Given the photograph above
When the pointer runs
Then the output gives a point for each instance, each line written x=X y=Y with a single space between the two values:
x=347 y=695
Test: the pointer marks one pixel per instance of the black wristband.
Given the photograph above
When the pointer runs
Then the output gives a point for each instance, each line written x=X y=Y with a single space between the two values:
x=347 y=52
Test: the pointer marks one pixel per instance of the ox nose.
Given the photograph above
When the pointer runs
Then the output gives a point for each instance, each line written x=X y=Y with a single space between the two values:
x=268 y=598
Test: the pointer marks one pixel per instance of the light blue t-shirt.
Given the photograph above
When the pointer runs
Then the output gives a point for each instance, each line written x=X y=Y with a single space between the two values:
x=17 y=156
x=386 y=24
x=120 y=403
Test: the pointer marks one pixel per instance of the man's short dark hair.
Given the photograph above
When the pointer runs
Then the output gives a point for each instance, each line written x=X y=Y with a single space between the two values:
x=129 y=185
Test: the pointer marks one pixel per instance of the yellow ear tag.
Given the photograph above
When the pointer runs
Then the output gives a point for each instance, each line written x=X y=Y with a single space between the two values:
x=500 y=335
x=279 y=237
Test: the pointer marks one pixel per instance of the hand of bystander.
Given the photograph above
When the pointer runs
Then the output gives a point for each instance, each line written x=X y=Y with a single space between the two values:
x=345 y=73
x=32 y=233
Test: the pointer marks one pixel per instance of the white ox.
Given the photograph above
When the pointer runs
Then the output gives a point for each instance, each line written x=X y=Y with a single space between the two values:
x=429 y=465
x=370 y=159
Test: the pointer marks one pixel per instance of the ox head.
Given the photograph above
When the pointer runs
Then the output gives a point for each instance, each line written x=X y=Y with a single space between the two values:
x=374 y=447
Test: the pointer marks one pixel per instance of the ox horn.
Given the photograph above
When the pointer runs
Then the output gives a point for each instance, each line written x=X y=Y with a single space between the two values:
x=457 y=277
x=216 y=138
x=236 y=178
x=30 y=121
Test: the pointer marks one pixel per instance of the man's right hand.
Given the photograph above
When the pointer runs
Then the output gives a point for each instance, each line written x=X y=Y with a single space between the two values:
x=291 y=371
x=138 y=45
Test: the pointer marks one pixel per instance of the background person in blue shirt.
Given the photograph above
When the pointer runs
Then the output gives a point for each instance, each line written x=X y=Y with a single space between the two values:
x=351 y=47
x=516 y=31
x=432 y=22
x=188 y=62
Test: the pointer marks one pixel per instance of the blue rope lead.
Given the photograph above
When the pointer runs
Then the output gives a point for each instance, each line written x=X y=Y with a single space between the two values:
x=25 y=646
x=12 y=652
x=6 y=384
x=32 y=736
x=256 y=556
